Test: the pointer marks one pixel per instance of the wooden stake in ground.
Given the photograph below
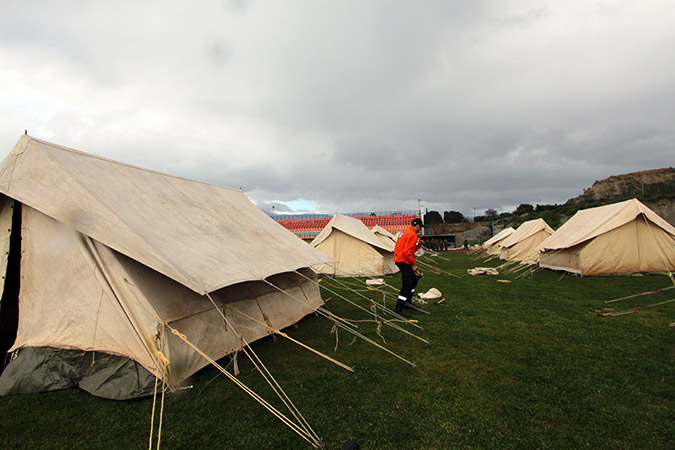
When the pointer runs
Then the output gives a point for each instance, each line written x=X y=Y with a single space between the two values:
x=636 y=310
x=653 y=291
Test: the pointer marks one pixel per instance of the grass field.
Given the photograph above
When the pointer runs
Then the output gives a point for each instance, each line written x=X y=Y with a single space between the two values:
x=523 y=364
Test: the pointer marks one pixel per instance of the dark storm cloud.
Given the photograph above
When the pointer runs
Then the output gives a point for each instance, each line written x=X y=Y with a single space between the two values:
x=351 y=106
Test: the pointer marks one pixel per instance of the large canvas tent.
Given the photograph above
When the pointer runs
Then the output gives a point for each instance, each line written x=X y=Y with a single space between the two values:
x=618 y=238
x=522 y=245
x=111 y=255
x=493 y=246
x=358 y=251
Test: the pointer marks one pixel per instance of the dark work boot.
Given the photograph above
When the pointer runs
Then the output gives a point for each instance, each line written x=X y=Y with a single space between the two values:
x=399 y=309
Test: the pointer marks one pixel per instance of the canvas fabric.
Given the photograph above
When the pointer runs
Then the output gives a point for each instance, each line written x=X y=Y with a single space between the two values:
x=522 y=245
x=353 y=257
x=353 y=227
x=114 y=255
x=493 y=245
x=203 y=236
x=384 y=235
x=356 y=249
x=119 y=306
x=620 y=238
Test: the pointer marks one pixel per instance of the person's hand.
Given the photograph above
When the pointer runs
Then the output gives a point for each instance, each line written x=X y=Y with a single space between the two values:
x=414 y=268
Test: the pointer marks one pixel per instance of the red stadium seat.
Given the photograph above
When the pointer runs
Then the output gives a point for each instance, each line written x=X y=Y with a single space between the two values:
x=309 y=227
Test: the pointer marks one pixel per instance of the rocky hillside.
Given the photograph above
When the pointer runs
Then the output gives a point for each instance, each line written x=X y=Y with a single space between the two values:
x=646 y=185
x=664 y=208
x=655 y=188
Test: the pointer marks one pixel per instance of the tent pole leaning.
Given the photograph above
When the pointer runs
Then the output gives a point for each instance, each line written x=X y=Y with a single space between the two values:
x=276 y=387
x=384 y=308
x=647 y=306
x=93 y=258
x=327 y=314
x=293 y=426
x=429 y=266
x=339 y=321
x=281 y=333
x=653 y=291
x=388 y=322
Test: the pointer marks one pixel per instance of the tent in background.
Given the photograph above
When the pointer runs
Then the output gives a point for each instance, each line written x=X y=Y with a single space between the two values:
x=618 y=238
x=358 y=251
x=382 y=233
x=111 y=255
x=522 y=244
x=493 y=245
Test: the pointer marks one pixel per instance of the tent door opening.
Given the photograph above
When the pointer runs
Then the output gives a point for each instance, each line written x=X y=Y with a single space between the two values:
x=9 y=303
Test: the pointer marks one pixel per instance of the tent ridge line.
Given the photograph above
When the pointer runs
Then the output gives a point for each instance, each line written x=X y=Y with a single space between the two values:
x=120 y=163
x=105 y=205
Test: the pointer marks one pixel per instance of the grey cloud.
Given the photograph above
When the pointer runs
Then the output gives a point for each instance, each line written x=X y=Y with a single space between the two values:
x=351 y=105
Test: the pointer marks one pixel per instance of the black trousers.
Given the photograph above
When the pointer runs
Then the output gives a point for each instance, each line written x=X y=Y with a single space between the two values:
x=408 y=282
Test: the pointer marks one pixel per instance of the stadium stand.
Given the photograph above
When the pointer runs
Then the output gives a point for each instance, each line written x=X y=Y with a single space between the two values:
x=307 y=226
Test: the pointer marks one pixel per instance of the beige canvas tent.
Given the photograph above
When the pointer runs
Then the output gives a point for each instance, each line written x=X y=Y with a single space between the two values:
x=493 y=245
x=522 y=244
x=358 y=251
x=111 y=255
x=619 y=238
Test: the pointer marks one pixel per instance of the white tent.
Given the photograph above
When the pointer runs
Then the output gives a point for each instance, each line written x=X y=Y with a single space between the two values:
x=618 y=238
x=522 y=244
x=358 y=251
x=112 y=255
x=493 y=245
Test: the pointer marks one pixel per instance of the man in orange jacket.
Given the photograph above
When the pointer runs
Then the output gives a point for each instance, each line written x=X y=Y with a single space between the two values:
x=404 y=257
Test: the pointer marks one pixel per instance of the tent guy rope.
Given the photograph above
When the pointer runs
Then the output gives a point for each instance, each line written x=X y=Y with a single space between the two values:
x=324 y=312
x=262 y=369
x=370 y=300
x=282 y=334
x=653 y=291
x=374 y=303
x=293 y=426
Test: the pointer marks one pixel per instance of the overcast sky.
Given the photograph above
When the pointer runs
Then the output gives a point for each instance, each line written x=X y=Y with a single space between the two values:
x=349 y=106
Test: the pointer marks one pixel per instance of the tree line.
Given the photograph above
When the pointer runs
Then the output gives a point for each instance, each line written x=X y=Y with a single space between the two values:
x=451 y=217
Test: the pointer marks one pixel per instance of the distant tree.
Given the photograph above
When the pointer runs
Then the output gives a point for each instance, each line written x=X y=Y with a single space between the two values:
x=523 y=208
x=480 y=219
x=542 y=208
x=432 y=217
x=491 y=213
x=453 y=217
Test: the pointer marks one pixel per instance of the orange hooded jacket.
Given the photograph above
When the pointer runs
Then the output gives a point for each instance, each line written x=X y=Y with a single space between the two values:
x=406 y=245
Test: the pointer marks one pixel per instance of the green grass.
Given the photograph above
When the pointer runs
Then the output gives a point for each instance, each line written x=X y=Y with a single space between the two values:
x=510 y=365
